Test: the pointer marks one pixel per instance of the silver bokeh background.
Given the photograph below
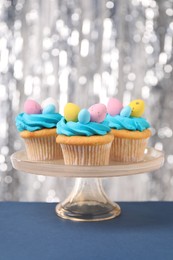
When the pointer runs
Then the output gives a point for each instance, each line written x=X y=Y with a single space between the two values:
x=85 y=52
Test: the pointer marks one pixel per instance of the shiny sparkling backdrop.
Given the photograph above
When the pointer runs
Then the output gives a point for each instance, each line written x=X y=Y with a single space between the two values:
x=85 y=52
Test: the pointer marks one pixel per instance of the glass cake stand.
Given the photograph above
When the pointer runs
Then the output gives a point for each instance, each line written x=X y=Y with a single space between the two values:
x=88 y=201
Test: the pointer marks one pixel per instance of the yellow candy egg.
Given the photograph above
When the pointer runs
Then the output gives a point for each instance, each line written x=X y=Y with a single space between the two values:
x=138 y=107
x=71 y=112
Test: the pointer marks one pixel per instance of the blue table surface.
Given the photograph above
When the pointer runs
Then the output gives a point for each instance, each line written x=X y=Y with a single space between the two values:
x=32 y=231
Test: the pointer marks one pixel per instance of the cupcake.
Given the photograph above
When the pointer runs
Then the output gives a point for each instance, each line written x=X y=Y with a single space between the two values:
x=37 y=127
x=84 y=135
x=131 y=131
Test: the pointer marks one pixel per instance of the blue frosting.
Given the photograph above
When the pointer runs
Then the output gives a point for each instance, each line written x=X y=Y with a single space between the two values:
x=128 y=123
x=79 y=129
x=36 y=122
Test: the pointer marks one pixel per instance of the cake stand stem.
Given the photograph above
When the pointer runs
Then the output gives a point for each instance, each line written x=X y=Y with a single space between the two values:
x=87 y=202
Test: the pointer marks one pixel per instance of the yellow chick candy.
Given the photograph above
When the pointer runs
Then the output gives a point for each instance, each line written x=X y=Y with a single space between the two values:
x=71 y=112
x=138 y=107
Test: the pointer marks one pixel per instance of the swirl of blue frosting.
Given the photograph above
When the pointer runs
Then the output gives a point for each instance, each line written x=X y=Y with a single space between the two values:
x=34 y=122
x=128 y=123
x=78 y=129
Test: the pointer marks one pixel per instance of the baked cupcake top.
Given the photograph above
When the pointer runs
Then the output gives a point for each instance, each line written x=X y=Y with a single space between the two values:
x=85 y=122
x=129 y=117
x=37 y=117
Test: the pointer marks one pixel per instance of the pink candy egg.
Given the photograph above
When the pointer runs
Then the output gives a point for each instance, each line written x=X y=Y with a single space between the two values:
x=114 y=106
x=98 y=113
x=32 y=107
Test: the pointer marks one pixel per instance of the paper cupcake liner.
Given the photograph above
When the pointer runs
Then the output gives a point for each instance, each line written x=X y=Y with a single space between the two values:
x=43 y=148
x=128 y=150
x=86 y=154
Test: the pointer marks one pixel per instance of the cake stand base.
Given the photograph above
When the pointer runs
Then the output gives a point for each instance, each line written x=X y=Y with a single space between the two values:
x=88 y=202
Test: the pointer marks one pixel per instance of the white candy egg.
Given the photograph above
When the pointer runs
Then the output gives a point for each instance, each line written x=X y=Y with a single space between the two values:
x=49 y=101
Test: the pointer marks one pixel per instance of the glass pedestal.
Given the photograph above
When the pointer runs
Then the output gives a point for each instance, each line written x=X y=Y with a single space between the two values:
x=88 y=201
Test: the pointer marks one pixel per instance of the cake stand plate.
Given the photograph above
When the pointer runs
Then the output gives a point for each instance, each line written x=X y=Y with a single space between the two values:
x=153 y=160
x=88 y=201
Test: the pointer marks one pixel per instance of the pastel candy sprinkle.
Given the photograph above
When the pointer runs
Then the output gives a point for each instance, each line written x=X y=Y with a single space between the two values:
x=50 y=109
x=98 y=112
x=126 y=111
x=71 y=112
x=84 y=116
x=114 y=106
x=32 y=107
x=138 y=107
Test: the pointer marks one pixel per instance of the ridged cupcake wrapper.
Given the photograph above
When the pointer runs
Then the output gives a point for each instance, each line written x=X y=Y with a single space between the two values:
x=128 y=150
x=86 y=154
x=43 y=148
